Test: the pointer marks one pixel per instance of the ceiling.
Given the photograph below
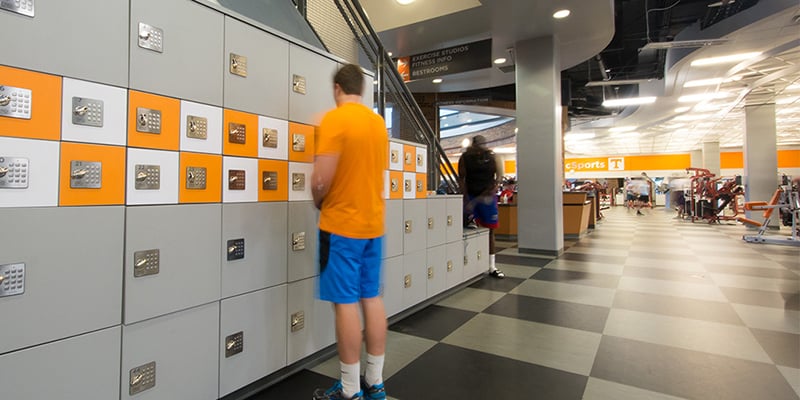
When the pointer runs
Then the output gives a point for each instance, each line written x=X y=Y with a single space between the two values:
x=602 y=42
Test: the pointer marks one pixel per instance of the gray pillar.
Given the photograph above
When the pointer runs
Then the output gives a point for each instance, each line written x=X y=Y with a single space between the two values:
x=540 y=167
x=696 y=159
x=711 y=157
x=760 y=157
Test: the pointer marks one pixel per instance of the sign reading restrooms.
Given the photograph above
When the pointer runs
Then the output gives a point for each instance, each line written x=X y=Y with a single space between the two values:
x=451 y=60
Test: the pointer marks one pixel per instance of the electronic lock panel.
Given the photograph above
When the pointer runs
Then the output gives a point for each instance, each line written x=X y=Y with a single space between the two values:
x=309 y=321
x=310 y=81
x=30 y=104
x=200 y=178
x=240 y=180
x=240 y=136
x=201 y=128
x=91 y=174
x=409 y=185
x=93 y=113
x=274 y=180
x=273 y=142
x=153 y=121
x=28 y=172
x=409 y=158
x=436 y=270
x=300 y=181
x=301 y=142
x=152 y=177
x=421 y=186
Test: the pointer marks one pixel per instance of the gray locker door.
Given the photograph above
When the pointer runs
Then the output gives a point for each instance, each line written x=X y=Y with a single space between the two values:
x=415 y=225
x=437 y=221
x=471 y=268
x=183 y=347
x=436 y=270
x=78 y=368
x=454 y=219
x=191 y=64
x=393 y=285
x=81 y=39
x=263 y=90
x=415 y=276
x=72 y=277
x=394 y=228
x=263 y=228
x=454 y=264
x=302 y=240
x=311 y=73
x=260 y=318
x=483 y=256
x=187 y=237
x=311 y=321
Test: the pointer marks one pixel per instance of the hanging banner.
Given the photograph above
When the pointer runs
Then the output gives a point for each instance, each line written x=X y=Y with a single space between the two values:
x=451 y=60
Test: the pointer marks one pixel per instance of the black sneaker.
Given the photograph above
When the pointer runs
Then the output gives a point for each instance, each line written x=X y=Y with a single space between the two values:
x=335 y=393
x=497 y=274
x=374 y=392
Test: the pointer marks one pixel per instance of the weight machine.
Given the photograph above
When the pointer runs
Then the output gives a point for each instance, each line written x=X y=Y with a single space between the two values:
x=710 y=195
x=786 y=200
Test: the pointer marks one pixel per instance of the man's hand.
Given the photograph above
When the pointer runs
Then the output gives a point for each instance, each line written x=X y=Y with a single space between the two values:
x=322 y=177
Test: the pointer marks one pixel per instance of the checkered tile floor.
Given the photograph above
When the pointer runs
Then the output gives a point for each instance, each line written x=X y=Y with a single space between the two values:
x=644 y=307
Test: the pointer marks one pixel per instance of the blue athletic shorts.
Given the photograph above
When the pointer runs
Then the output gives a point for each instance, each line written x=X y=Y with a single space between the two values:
x=349 y=269
x=484 y=210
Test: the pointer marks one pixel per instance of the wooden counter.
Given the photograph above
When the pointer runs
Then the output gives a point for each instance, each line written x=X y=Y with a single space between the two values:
x=577 y=211
x=507 y=218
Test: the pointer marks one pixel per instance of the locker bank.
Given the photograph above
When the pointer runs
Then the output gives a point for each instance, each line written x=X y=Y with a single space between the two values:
x=160 y=241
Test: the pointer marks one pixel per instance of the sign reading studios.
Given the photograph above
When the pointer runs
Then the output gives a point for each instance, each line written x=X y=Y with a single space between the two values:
x=451 y=60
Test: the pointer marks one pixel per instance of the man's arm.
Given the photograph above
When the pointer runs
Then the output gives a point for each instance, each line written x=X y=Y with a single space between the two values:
x=322 y=177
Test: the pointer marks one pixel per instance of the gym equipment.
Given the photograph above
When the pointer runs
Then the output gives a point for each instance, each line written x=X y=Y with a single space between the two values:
x=786 y=200
x=710 y=195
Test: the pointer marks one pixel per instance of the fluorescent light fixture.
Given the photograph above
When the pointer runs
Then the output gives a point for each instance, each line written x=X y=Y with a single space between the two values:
x=693 y=98
x=684 y=44
x=375 y=82
x=465 y=143
x=499 y=60
x=625 y=135
x=796 y=86
x=703 y=107
x=446 y=125
x=404 y=2
x=579 y=136
x=692 y=117
x=504 y=150
x=682 y=109
x=561 y=14
x=631 y=101
x=703 y=82
x=469 y=120
x=786 y=100
x=389 y=53
x=700 y=62
x=437 y=80
x=619 y=82
x=622 y=129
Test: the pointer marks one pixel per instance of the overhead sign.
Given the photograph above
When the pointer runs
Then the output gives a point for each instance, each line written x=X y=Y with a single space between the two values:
x=451 y=60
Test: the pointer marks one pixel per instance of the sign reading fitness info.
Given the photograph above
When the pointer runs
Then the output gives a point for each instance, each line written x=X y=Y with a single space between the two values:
x=452 y=60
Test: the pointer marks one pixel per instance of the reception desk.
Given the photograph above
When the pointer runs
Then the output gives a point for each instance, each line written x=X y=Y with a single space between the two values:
x=577 y=212
x=507 y=218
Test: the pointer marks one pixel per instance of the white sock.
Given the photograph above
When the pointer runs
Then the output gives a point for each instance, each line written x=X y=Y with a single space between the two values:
x=492 y=267
x=350 y=378
x=374 y=373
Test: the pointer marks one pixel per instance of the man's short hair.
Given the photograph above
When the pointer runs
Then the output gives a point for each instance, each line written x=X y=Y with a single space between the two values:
x=350 y=79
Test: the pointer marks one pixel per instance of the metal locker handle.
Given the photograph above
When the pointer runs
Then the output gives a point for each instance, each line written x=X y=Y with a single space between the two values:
x=231 y=249
x=479 y=255
x=430 y=223
x=190 y=176
x=430 y=272
x=234 y=178
x=5 y=100
x=78 y=174
x=2 y=278
x=144 y=35
x=141 y=263
x=3 y=171
x=296 y=180
x=192 y=126
x=142 y=119
x=268 y=179
x=81 y=110
x=408 y=226
x=141 y=176
x=230 y=344
x=136 y=379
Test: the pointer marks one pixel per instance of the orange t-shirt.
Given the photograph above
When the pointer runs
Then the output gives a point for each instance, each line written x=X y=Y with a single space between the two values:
x=354 y=206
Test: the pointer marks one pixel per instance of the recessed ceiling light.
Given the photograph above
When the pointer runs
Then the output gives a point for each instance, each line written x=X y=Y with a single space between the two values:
x=469 y=120
x=787 y=100
x=404 y=2
x=579 y=136
x=682 y=109
x=561 y=14
x=499 y=60
x=796 y=86
x=446 y=125
x=724 y=59
x=631 y=101
x=437 y=80
x=703 y=97
x=703 y=82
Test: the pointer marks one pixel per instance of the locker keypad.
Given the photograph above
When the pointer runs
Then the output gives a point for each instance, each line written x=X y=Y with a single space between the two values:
x=236 y=179
x=430 y=223
x=449 y=266
x=85 y=174
x=479 y=255
x=395 y=185
x=146 y=262
x=298 y=142
x=419 y=160
x=24 y=7
x=297 y=321
x=449 y=220
x=419 y=186
x=196 y=127
x=270 y=138
x=407 y=281
x=87 y=112
x=13 y=173
x=299 y=84
x=151 y=38
x=148 y=120
x=237 y=133
x=12 y=279
x=430 y=272
x=196 y=178
x=395 y=157
x=235 y=249
x=408 y=158
x=298 y=182
x=238 y=65
x=298 y=241
x=147 y=177
x=408 y=226
x=407 y=185
x=269 y=180
x=234 y=344
x=15 y=102
x=142 y=378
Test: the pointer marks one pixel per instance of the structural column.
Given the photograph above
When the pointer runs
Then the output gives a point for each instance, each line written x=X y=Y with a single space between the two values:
x=540 y=164
x=696 y=158
x=711 y=157
x=760 y=156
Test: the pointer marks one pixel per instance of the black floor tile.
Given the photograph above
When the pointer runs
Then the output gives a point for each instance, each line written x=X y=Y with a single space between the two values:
x=498 y=285
x=686 y=373
x=593 y=258
x=450 y=372
x=788 y=301
x=667 y=274
x=298 y=386
x=553 y=312
x=773 y=273
x=521 y=260
x=580 y=278
x=433 y=322
x=782 y=347
x=677 y=307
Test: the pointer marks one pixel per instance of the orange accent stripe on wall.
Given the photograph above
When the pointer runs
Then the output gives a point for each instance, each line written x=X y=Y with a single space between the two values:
x=788 y=158
x=658 y=162
x=731 y=160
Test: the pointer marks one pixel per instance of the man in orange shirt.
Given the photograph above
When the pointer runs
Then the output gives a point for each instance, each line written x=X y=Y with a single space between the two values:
x=348 y=189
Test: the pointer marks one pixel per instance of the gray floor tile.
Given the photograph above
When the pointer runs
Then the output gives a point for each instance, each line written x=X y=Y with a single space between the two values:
x=599 y=389
x=593 y=258
x=782 y=347
x=750 y=282
x=598 y=251
x=788 y=301
x=656 y=256
x=521 y=260
x=757 y=272
x=740 y=262
x=692 y=266
x=516 y=271
x=696 y=291
x=433 y=322
x=773 y=319
x=677 y=307
x=792 y=376
x=578 y=278
x=553 y=312
x=581 y=294
x=472 y=299
x=667 y=274
x=585 y=266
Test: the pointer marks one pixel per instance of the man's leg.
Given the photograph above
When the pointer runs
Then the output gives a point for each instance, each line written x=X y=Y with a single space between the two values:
x=375 y=327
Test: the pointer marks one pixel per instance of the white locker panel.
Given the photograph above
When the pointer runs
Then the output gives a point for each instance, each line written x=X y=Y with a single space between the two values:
x=300 y=181
x=261 y=319
x=310 y=321
x=409 y=185
x=231 y=193
x=263 y=228
x=415 y=286
x=395 y=156
x=302 y=241
x=422 y=160
x=415 y=225
x=78 y=368
x=166 y=177
x=42 y=173
x=454 y=220
x=437 y=221
x=112 y=116
x=310 y=85
x=188 y=273
x=72 y=279
x=454 y=264
x=272 y=126
x=189 y=64
x=436 y=270
x=394 y=229
x=393 y=285
x=212 y=144
x=55 y=39
x=258 y=85
x=386 y=185
x=183 y=347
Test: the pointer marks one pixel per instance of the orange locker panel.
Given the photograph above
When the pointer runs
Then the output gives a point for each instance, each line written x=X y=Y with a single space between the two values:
x=37 y=96
x=395 y=185
x=200 y=178
x=273 y=180
x=301 y=142
x=421 y=186
x=409 y=158
x=85 y=183
x=144 y=120
x=240 y=134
